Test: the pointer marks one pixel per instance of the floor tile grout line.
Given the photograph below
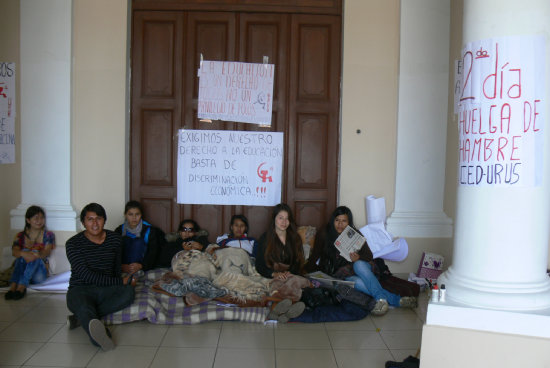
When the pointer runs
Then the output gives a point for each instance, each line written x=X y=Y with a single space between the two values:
x=158 y=347
x=217 y=345
x=330 y=343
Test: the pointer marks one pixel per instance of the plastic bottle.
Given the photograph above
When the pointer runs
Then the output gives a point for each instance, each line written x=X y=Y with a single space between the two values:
x=442 y=293
x=435 y=294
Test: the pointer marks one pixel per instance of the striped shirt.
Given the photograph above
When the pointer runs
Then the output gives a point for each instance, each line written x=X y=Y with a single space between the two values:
x=95 y=264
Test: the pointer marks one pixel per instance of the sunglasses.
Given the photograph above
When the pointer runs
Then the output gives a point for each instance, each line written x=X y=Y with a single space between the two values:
x=187 y=229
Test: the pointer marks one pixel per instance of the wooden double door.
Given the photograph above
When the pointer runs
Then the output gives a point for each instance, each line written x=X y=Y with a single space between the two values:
x=301 y=38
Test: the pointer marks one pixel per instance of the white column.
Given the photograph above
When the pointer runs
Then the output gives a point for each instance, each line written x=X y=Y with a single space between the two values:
x=501 y=235
x=45 y=110
x=422 y=121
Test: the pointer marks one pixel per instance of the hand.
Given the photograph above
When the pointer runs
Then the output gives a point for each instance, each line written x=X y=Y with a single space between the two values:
x=281 y=275
x=354 y=256
x=129 y=278
x=134 y=267
x=190 y=245
x=125 y=268
x=29 y=256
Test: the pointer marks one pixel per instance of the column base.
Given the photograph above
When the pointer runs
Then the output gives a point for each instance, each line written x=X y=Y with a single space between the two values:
x=58 y=217
x=451 y=314
x=460 y=347
x=502 y=296
x=420 y=224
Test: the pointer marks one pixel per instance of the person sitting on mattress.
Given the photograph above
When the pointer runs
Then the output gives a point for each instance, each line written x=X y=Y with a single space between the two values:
x=281 y=257
x=325 y=257
x=237 y=236
x=31 y=248
x=96 y=287
x=142 y=242
x=190 y=237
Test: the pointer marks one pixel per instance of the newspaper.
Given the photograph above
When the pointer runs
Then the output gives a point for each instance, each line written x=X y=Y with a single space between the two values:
x=328 y=281
x=350 y=241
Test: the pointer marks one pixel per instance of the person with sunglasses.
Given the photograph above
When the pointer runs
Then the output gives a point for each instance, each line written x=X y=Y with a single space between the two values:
x=190 y=237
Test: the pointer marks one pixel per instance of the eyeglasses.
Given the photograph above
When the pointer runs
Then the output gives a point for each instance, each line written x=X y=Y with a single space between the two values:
x=187 y=229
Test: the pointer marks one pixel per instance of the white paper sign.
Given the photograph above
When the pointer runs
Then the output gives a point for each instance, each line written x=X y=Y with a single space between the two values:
x=235 y=91
x=7 y=113
x=501 y=113
x=229 y=167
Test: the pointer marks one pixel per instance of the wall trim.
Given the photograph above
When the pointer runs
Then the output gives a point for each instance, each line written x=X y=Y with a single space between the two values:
x=420 y=224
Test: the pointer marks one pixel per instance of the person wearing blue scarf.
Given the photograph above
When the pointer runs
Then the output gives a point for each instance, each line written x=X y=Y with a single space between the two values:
x=142 y=242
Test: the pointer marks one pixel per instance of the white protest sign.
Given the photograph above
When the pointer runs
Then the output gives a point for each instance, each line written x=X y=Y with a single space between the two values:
x=501 y=116
x=7 y=113
x=229 y=167
x=235 y=91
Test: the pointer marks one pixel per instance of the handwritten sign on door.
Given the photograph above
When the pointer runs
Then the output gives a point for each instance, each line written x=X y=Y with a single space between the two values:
x=235 y=91
x=229 y=167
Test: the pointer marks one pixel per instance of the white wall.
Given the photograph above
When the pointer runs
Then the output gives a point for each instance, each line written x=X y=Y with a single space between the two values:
x=99 y=112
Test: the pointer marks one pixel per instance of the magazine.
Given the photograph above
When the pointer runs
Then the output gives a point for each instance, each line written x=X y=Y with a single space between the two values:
x=349 y=241
x=327 y=280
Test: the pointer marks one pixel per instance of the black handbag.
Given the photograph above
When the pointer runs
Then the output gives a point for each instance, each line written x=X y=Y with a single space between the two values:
x=314 y=297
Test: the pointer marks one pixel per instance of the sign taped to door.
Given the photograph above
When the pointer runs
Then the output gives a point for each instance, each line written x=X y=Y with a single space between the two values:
x=236 y=91
x=229 y=167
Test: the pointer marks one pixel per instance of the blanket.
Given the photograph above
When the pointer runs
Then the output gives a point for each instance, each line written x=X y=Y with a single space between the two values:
x=160 y=308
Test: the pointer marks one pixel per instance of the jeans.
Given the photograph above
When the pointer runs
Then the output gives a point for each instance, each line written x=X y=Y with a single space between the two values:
x=366 y=282
x=89 y=302
x=25 y=273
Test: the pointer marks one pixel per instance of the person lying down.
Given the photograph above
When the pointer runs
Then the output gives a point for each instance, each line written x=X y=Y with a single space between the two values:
x=227 y=276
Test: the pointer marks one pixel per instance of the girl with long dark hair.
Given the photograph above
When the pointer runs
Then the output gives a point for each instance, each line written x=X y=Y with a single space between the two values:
x=326 y=257
x=280 y=250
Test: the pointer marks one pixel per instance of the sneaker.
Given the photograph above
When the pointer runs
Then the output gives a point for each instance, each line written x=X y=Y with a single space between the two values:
x=280 y=308
x=73 y=322
x=294 y=311
x=381 y=307
x=9 y=295
x=408 y=302
x=99 y=334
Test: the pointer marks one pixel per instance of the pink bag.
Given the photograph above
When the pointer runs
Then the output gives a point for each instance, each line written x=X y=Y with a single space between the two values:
x=431 y=266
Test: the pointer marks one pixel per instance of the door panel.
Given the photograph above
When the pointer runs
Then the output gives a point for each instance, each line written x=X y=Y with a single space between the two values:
x=167 y=46
x=155 y=114
x=313 y=119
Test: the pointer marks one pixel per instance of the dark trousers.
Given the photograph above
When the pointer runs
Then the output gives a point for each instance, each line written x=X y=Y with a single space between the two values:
x=89 y=302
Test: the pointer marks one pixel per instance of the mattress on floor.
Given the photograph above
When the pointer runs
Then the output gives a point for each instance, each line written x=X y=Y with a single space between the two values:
x=160 y=308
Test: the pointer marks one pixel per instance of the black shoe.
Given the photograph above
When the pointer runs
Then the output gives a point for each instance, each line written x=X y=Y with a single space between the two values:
x=19 y=294
x=73 y=322
x=9 y=295
x=411 y=359
x=409 y=362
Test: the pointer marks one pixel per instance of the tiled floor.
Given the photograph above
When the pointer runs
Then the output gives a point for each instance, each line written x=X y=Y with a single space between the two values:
x=34 y=333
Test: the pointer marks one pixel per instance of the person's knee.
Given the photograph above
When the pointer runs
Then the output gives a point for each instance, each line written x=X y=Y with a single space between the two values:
x=362 y=267
x=129 y=293
x=39 y=277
